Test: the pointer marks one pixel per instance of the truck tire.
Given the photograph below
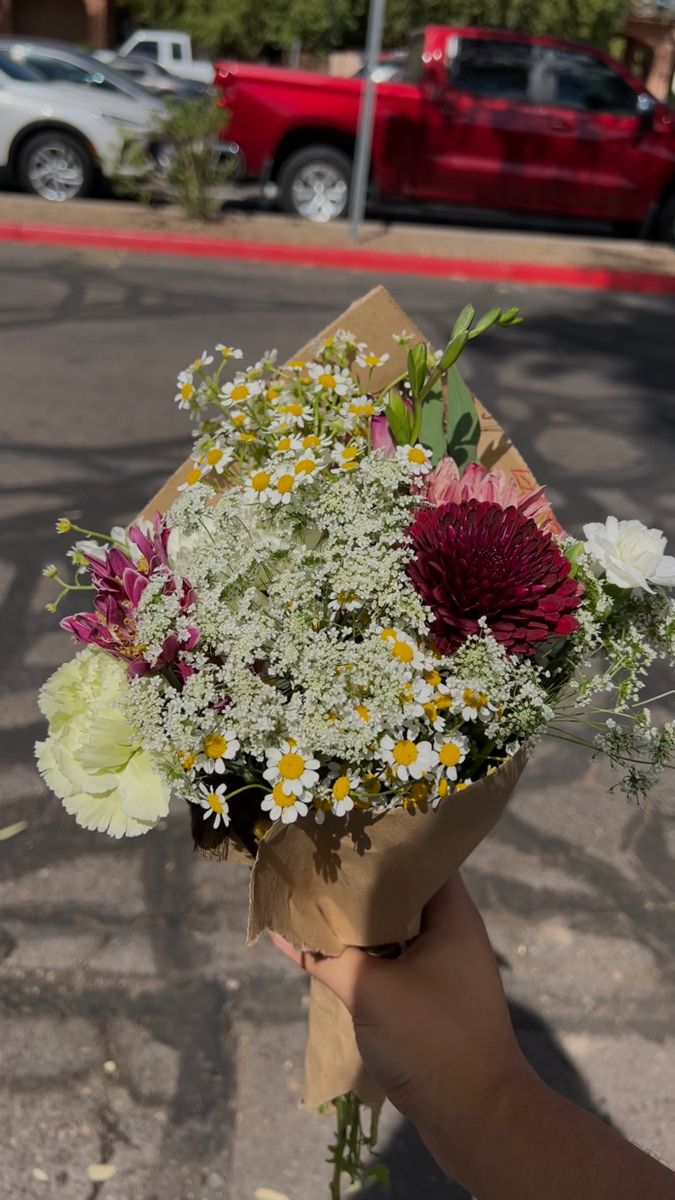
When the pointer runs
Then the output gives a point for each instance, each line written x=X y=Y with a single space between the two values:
x=55 y=165
x=314 y=183
x=665 y=220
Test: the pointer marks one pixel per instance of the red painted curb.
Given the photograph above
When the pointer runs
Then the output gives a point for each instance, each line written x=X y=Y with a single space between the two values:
x=197 y=246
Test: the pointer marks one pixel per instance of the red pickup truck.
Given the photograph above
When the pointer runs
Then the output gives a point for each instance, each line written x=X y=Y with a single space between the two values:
x=486 y=119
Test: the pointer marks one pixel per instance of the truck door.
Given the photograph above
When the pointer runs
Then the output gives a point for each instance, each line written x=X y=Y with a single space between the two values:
x=472 y=149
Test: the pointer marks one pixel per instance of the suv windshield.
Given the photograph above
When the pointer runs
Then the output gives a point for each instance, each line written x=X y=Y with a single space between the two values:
x=46 y=62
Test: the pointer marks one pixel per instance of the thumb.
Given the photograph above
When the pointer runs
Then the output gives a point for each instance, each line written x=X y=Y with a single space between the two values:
x=341 y=974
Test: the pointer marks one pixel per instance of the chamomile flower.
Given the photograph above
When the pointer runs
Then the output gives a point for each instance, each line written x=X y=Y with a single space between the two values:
x=194 y=476
x=314 y=442
x=331 y=379
x=240 y=390
x=284 y=805
x=307 y=465
x=347 y=601
x=407 y=757
x=474 y=704
x=283 y=486
x=415 y=696
x=362 y=409
x=218 y=748
x=217 y=458
x=451 y=750
x=416 y=458
x=402 y=647
x=258 y=488
x=288 y=444
x=292 y=413
x=228 y=352
x=371 y=361
x=342 y=791
x=212 y=800
x=292 y=767
x=205 y=359
x=346 y=458
x=186 y=389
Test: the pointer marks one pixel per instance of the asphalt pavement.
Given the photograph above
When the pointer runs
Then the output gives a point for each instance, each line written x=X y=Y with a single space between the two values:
x=135 y=1028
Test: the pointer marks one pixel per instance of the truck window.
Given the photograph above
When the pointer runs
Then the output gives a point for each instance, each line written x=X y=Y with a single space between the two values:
x=582 y=81
x=147 y=49
x=414 y=66
x=494 y=69
x=176 y=52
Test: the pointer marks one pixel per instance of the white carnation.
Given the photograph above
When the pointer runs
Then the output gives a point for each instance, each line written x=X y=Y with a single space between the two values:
x=631 y=555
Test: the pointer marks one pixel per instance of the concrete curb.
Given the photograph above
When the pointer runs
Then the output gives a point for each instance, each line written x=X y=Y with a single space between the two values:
x=342 y=259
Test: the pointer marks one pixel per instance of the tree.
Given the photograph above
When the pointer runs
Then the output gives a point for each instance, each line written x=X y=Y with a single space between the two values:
x=247 y=28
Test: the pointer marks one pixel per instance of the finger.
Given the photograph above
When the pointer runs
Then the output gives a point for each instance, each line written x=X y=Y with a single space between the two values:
x=340 y=974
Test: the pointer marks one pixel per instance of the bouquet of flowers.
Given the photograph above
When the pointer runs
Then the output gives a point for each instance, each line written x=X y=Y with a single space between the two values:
x=337 y=634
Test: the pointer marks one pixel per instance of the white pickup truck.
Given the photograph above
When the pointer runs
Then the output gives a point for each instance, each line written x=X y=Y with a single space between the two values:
x=172 y=50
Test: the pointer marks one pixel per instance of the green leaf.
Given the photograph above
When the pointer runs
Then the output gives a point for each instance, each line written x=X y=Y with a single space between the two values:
x=432 y=429
x=510 y=316
x=463 y=321
x=379 y=1172
x=486 y=322
x=417 y=367
x=463 y=423
x=399 y=418
x=454 y=349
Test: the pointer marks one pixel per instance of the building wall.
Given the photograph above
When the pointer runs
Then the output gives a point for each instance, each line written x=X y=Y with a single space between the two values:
x=88 y=22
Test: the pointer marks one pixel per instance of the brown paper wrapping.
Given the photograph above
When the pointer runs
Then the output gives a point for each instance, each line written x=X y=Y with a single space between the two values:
x=364 y=882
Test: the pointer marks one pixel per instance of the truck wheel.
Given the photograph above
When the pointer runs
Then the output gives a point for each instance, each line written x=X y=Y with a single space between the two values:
x=314 y=183
x=55 y=166
x=665 y=220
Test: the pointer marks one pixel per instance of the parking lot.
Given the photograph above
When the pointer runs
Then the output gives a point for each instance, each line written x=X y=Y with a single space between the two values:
x=136 y=1030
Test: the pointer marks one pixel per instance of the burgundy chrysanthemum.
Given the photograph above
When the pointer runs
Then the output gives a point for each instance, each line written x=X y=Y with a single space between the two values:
x=477 y=559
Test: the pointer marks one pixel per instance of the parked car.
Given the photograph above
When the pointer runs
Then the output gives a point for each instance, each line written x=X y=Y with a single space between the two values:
x=156 y=79
x=60 y=62
x=168 y=48
x=493 y=120
x=56 y=138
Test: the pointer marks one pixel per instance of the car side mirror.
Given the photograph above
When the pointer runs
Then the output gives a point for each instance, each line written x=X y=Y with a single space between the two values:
x=645 y=108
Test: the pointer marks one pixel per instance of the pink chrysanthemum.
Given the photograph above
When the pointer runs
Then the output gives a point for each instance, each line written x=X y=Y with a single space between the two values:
x=119 y=583
x=476 y=559
x=445 y=485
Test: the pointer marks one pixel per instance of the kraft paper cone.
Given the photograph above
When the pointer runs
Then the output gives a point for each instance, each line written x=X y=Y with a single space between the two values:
x=365 y=882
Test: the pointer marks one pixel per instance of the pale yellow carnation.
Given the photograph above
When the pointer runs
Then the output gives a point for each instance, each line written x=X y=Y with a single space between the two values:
x=92 y=759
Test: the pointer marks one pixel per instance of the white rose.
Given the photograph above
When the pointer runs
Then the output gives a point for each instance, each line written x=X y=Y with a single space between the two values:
x=631 y=555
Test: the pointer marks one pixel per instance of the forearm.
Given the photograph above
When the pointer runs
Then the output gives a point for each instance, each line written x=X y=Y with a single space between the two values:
x=525 y=1142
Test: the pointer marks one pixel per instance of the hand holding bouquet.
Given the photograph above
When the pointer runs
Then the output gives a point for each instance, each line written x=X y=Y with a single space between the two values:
x=338 y=636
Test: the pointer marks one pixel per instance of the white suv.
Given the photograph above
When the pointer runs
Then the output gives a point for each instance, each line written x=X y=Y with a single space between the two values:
x=55 y=137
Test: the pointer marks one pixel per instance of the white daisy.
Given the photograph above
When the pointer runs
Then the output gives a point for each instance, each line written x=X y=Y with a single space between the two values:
x=452 y=750
x=331 y=379
x=408 y=758
x=205 y=359
x=229 y=352
x=290 y=413
x=240 y=390
x=280 y=804
x=258 y=487
x=342 y=789
x=194 y=476
x=296 y=770
x=288 y=444
x=284 y=484
x=473 y=704
x=416 y=458
x=218 y=748
x=347 y=601
x=217 y=458
x=366 y=359
x=346 y=458
x=186 y=389
x=212 y=800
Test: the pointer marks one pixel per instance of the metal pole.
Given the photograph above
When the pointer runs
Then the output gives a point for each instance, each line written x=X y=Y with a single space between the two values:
x=364 y=136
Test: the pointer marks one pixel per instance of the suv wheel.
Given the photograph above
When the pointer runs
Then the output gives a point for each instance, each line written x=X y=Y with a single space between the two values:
x=55 y=166
x=314 y=183
x=665 y=220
